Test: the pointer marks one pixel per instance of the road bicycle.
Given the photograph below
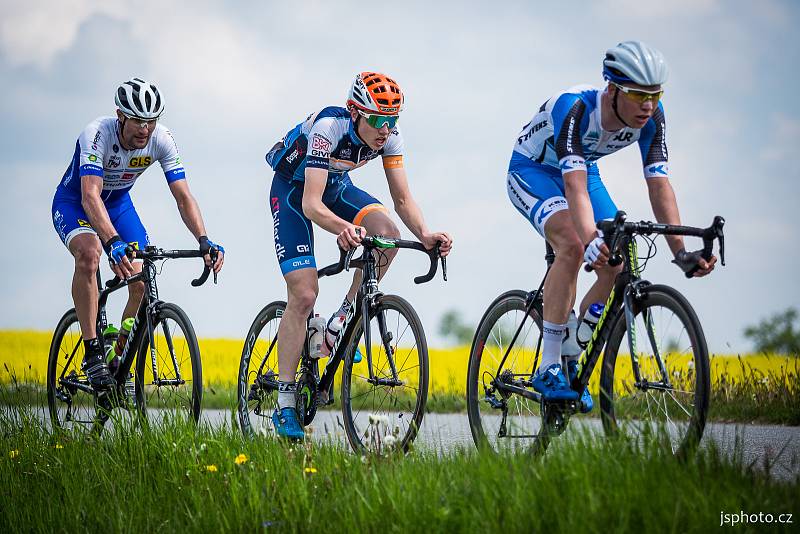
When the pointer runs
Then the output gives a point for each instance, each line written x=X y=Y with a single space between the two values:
x=654 y=379
x=167 y=378
x=389 y=386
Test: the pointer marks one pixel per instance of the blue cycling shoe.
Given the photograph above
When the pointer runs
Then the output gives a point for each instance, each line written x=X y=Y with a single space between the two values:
x=287 y=425
x=586 y=399
x=553 y=385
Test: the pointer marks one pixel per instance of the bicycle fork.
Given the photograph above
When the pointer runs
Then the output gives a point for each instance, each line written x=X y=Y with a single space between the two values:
x=633 y=294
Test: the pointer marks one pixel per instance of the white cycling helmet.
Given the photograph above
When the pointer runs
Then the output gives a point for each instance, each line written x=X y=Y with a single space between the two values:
x=139 y=98
x=635 y=62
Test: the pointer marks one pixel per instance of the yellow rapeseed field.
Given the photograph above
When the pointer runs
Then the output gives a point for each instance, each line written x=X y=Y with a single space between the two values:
x=23 y=354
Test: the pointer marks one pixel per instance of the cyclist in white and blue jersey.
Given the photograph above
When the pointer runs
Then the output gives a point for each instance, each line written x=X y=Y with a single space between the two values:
x=92 y=208
x=312 y=184
x=554 y=182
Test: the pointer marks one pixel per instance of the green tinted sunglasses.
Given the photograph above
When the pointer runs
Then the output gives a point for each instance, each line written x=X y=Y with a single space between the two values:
x=377 y=121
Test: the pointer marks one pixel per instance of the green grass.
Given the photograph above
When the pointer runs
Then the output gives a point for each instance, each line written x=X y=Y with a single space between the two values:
x=143 y=480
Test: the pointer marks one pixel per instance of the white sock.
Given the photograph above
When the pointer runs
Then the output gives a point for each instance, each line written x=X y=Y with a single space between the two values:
x=551 y=344
x=287 y=394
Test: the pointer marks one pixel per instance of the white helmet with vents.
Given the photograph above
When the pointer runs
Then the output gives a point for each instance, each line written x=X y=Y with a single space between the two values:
x=140 y=98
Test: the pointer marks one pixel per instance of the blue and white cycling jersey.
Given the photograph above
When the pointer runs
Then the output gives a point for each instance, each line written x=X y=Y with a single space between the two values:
x=566 y=134
x=98 y=152
x=327 y=140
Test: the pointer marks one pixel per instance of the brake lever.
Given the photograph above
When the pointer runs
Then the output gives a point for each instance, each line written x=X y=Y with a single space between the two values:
x=444 y=268
x=348 y=257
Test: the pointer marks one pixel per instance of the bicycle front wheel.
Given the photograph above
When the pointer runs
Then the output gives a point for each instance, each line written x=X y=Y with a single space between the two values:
x=257 y=385
x=669 y=399
x=169 y=375
x=500 y=420
x=383 y=403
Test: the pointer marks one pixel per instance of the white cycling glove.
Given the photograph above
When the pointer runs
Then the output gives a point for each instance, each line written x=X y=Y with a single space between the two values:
x=592 y=250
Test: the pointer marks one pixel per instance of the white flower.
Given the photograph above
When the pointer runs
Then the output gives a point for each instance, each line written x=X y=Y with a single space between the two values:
x=375 y=419
x=690 y=365
x=390 y=441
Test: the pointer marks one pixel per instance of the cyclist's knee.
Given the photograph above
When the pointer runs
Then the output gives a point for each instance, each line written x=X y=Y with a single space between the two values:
x=301 y=297
x=87 y=253
x=607 y=272
x=570 y=252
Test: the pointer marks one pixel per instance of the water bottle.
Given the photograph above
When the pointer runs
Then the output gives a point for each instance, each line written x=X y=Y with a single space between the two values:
x=331 y=333
x=316 y=336
x=109 y=338
x=590 y=320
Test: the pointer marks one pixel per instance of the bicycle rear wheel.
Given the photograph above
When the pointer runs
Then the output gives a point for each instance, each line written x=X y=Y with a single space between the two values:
x=500 y=420
x=670 y=402
x=257 y=385
x=70 y=398
x=392 y=402
x=169 y=375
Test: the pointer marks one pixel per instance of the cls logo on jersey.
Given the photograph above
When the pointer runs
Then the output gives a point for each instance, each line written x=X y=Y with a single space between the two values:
x=83 y=223
x=140 y=161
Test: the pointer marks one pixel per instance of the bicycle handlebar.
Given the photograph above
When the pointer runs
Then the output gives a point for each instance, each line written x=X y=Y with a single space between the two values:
x=154 y=253
x=373 y=242
x=614 y=229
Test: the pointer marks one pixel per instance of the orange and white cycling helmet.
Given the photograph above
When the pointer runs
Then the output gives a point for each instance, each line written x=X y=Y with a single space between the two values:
x=375 y=93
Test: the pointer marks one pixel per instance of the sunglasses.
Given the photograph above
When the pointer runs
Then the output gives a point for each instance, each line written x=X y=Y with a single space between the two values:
x=638 y=95
x=378 y=121
x=141 y=123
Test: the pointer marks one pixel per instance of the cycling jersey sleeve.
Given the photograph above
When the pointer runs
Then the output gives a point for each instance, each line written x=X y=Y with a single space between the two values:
x=321 y=140
x=653 y=145
x=92 y=149
x=169 y=159
x=393 y=151
x=567 y=116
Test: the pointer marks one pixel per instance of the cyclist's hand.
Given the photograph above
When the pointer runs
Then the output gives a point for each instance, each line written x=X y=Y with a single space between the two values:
x=117 y=258
x=205 y=247
x=351 y=236
x=596 y=252
x=688 y=260
x=443 y=238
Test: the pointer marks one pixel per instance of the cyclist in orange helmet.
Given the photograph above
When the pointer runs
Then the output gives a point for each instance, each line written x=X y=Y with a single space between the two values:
x=312 y=184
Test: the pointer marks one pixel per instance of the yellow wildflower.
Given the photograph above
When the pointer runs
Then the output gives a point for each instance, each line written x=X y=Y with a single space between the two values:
x=310 y=469
x=211 y=468
x=242 y=458
x=13 y=454
x=59 y=446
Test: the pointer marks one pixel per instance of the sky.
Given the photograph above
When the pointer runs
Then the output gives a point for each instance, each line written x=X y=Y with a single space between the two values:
x=237 y=76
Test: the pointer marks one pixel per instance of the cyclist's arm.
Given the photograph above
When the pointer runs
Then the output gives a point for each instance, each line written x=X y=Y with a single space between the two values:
x=188 y=208
x=314 y=208
x=665 y=208
x=408 y=209
x=91 y=189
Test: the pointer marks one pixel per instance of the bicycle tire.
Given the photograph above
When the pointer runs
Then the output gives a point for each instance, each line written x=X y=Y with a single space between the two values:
x=69 y=407
x=404 y=408
x=252 y=398
x=169 y=393
x=622 y=400
x=491 y=341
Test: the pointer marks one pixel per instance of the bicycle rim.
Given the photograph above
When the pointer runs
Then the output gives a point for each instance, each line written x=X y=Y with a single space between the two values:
x=386 y=412
x=670 y=402
x=486 y=404
x=257 y=385
x=173 y=390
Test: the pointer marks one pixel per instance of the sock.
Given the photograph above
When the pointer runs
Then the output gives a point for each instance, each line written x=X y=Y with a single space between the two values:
x=287 y=394
x=551 y=344
x=92 y=346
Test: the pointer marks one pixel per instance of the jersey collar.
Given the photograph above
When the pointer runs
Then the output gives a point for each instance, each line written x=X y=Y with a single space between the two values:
x=351 y=130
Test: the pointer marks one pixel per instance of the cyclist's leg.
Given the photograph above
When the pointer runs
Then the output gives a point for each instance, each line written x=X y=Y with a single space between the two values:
x=604 y=208
x=127 y=222
x=362 y=209
x=537 y=192
x=72 y=225
x=294 y=249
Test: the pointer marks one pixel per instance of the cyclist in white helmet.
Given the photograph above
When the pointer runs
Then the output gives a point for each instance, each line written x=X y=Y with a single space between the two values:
x=92 y=209
x=554 y=182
